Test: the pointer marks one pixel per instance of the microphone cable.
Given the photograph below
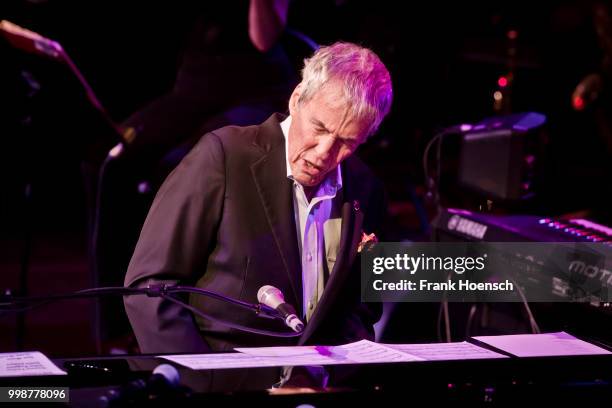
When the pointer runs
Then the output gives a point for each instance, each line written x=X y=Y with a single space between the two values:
x=22 y=304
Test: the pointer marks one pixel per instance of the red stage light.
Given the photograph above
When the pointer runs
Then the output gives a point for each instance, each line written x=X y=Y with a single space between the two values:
x=578 y=103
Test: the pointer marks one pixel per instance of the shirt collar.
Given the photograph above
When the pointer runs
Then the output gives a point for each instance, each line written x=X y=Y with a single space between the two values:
x=333 y=177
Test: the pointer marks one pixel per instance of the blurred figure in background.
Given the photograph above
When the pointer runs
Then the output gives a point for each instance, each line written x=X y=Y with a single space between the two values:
x=232 y=70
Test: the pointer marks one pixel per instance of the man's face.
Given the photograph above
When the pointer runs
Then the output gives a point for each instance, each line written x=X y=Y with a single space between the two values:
x=322 y=134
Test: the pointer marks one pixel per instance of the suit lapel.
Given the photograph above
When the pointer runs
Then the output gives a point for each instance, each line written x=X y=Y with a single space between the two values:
x=275 y=193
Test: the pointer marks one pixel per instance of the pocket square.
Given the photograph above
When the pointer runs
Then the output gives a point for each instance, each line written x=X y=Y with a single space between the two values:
x=366 y=239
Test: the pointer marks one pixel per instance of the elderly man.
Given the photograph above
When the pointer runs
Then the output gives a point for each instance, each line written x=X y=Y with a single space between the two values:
x=283 y=203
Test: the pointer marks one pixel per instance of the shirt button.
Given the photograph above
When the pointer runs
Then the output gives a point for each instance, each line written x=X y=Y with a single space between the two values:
x=310 y=306
x=309 y=257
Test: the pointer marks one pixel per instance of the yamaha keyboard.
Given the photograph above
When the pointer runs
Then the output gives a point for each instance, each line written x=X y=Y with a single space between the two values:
x=589 y=317
x=531 y=263
x=462 y=225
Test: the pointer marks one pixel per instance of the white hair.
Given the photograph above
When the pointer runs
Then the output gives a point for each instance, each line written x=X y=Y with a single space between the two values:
x=364 y=79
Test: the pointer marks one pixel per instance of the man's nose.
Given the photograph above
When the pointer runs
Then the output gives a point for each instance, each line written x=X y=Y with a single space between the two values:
x=325 y=147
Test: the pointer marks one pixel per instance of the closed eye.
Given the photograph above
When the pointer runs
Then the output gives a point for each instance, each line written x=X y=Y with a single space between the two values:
x=319 y=126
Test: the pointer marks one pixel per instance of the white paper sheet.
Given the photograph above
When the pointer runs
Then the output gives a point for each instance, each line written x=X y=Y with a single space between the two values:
x=221 y=360
x=542 y=345
x=447 y=351
x=361 y=352
x=27 y=363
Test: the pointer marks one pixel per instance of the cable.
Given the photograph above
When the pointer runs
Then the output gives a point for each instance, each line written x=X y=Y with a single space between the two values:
x=37 y=301
x=438 y=327
x=429 y=180
x=446 y=321
x=535 y=328
x=188 y=289
x=432 y=182
x=94 y=240
x=438 y=169
x=443 y=311
x=228 y=324
x=14 y=305
x=468 y=325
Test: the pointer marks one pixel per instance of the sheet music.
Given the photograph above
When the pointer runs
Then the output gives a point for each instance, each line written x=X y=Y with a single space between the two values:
x=27 y=363
x=361 y=352
x=542 y=345
x=447 y=351
x=366 y=352
x=221 y=360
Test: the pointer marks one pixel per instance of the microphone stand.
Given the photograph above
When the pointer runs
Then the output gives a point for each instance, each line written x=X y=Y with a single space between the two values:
x=10 y=303
x=32 y=43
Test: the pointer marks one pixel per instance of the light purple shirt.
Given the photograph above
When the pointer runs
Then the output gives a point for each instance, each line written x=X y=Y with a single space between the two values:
x=318 y=225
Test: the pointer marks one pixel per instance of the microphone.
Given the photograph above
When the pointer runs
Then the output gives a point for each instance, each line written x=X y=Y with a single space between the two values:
x=272 y=297
x=163 y=380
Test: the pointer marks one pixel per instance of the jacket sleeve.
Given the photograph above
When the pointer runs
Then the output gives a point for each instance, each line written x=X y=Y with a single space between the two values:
x=173 y=248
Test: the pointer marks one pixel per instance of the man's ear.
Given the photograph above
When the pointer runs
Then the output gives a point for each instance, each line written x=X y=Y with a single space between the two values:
x=295 y=97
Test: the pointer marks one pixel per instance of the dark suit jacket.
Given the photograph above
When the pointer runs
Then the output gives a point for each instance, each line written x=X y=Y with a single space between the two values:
x=224 y=221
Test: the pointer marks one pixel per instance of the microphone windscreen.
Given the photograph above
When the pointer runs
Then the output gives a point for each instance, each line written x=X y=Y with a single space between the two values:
x=270 y=296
